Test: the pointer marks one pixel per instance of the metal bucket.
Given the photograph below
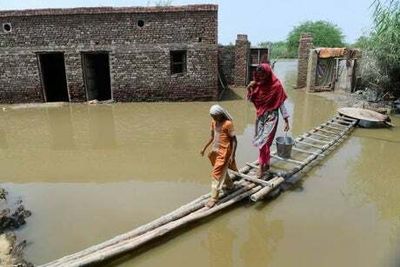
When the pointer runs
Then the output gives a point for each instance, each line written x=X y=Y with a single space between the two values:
x=284 y=146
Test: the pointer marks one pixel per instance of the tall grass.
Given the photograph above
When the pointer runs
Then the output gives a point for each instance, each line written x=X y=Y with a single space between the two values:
x=383 y=47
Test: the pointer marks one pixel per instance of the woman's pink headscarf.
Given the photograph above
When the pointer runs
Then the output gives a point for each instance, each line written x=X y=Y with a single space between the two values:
x=268 y=94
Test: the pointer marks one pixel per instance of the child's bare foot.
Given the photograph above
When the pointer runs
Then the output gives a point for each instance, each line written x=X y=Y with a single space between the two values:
x=211 y=203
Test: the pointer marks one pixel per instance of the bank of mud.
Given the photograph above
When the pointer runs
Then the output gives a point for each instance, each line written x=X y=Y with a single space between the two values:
x=12 y=217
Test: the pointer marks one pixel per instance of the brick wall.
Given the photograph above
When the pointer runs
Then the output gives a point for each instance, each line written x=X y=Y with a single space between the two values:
x=242 y=55
x=305 y=44
x=139 y=56
x=226 y=56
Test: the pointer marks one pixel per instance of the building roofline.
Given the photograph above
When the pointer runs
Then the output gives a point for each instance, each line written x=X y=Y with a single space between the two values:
x=106 y=10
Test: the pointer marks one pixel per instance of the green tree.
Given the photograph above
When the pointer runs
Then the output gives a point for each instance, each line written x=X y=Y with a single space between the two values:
x=277 y=49
x=325 y=34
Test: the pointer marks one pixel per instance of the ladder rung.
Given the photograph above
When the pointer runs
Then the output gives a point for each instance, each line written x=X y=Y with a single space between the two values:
x=308 y=144
x=252 y=165
x=343 y=121
x=321 y=135
x=308 y=152
x=250 y=178
x=326 y=131
x=347 y=118
x=287 y=160
x=338 y=124
x=331 y=127
x=257 y=167
x=316 y=140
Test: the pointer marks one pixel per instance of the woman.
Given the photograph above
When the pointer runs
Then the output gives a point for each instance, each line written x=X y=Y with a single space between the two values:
x=267 y=94
x=223 y=150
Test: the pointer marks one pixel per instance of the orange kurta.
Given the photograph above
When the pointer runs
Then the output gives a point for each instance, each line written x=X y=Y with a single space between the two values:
x=221 y=149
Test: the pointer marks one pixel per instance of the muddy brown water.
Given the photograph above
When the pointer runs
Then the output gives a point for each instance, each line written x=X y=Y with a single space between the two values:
x=89 y=173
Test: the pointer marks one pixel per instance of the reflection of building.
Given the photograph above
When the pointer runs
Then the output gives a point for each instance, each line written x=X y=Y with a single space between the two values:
x=60 y=128
x=101 y=127
x=125 y=54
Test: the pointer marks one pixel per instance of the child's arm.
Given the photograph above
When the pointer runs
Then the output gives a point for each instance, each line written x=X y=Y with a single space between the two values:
x=208 y=143
x=234 y=145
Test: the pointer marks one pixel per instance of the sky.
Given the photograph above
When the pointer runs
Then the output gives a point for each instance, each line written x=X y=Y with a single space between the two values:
x=261 y=20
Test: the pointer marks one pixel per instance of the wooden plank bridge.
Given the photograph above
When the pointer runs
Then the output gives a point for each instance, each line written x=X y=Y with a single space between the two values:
x=309 y=147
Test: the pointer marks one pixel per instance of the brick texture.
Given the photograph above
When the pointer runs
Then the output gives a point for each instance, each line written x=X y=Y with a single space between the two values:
x=139 y=56
x=305 y=44
x=242 y=55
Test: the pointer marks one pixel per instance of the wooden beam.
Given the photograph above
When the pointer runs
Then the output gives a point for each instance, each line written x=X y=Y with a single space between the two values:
x=317 y=140
x=250 y=178
x=308 y=144
x=307 y=152
x=321 y=135
x=287 y=160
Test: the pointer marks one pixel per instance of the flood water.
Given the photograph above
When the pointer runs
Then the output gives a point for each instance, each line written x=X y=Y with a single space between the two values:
x=88 y=173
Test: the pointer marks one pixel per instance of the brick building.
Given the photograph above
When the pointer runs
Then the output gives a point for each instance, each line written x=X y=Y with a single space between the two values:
x=125 y=54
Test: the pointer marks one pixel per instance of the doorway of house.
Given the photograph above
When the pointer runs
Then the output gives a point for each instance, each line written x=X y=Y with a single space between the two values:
x=53 y=77
x=96 y=73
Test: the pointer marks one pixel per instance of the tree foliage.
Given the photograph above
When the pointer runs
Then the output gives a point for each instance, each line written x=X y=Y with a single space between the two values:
x=277 y=49
x=383 y=46
x=324 y=33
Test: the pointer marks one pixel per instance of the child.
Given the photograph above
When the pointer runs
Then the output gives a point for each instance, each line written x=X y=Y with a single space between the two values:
x=222 y=154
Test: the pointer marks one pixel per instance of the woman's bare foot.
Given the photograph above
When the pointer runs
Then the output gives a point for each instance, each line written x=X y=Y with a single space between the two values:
x=260 y=172
x=211 y=203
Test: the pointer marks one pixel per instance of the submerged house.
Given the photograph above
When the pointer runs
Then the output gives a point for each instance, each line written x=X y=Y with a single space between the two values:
x=124 y=54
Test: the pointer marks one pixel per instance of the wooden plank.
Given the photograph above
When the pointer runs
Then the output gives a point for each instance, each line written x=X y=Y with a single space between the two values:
x=343 y=121
x=308 y=152
x=252 y=165
x=331 y=127
x=308 y=144
x=287 y=160
x=321 y=135
x=263 y=192
x=338 y=124
x=317 y=140
x=250 y=178
x=327 y=131
x=347 y=118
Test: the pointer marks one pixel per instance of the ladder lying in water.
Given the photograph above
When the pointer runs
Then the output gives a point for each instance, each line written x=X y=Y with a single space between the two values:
x=309 y=148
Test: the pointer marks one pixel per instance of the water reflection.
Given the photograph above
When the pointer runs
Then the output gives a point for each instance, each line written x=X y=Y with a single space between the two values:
x=60 y=128
x=220 y=245
x=3 y=126
x=3 y=139
x=101 y=127
x=263 y=234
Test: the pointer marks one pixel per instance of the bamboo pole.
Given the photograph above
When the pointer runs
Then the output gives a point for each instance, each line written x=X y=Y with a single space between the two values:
x=262 y=193
x=317 y=140
x=250 y=179
x=176 y=214
x=130 y=244
x=321 y=135
x=266 y=190
x=286 y=160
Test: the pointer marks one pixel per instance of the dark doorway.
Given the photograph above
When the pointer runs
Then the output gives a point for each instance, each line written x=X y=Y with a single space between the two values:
x=54 y=81
x=96 y=73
